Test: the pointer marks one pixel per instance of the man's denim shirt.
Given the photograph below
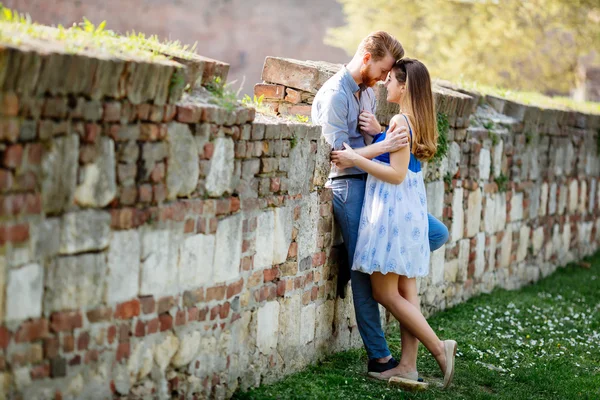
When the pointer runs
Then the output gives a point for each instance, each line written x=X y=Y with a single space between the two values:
x=336 y=109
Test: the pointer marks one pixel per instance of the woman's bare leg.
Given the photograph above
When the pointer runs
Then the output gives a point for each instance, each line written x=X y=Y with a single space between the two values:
x=407 y=288
x=385 y=291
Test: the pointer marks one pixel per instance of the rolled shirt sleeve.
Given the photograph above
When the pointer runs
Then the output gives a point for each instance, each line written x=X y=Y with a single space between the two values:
x=334 y=119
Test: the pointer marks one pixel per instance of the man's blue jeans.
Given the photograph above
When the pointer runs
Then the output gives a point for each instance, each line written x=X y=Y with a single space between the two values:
x=348 y=196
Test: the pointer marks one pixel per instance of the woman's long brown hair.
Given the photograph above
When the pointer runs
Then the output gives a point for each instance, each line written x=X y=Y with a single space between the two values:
x=422 y=108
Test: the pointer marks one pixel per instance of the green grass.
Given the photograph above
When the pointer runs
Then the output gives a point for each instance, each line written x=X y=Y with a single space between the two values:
x=18 y=29
x=541 y=342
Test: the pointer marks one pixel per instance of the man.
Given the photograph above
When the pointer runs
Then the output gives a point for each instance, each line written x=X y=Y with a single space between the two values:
x=344 y=106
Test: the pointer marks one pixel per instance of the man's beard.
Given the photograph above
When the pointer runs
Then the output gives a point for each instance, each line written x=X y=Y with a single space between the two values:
x=367 y=80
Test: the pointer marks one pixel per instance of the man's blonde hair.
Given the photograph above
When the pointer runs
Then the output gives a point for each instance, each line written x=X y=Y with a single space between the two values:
x=380 y=44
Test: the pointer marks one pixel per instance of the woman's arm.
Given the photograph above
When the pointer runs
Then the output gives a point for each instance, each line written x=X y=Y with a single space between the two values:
x=394 y=173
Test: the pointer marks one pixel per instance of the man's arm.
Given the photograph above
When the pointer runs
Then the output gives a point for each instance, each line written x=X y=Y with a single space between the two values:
x=334 y=119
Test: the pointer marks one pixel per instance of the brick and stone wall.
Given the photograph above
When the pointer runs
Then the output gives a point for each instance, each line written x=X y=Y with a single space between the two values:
x=154 y=244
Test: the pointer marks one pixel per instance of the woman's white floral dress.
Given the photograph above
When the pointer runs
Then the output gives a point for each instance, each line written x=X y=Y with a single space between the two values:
x=393 y=233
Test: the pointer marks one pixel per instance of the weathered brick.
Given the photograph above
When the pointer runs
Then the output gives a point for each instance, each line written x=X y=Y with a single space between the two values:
x=123 y=351
x=189 y=114
x=166 y=322
x=192 y=297
x=5 y=336
x=112 y=111
x=13 y=156
x=83 y=341
x=68 y=343
x=152 y=326
x=215 y=293
x=140 y=329
x=31 y=331
x=148 y=304
x=269 y=91
x=235 y=288
x=40 y=371
x=65 y=321
x=165 y=304
x=180 y=317
x=128 y=309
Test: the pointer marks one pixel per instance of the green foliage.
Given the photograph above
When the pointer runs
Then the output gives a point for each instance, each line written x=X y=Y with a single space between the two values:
x=294 y=141
x=528 y=137
x=488 y=125
x=443 y=127
x=528 y=45
x=495 y=137
x=257 y=103
x=223 y=96
x=502 y=182
x=177 y=81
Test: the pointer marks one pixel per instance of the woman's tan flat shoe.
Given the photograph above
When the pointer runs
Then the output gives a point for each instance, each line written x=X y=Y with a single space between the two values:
x=450 y=352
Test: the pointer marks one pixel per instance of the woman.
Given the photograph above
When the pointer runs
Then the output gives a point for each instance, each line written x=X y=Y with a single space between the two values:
x=393 y=245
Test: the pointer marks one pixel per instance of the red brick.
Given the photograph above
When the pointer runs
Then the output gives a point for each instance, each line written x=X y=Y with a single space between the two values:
x=153 y=325
x=65 y=321
x=169 y=113
x=13 y=156
x=9 y=129
x=83 y=341
x=293 y=96
x=99 y=314
x=189 y=114
x=31 y=331
x=269 y=91
x=123 y=351
x=165 y=304
x=275 y=185
x=148 y=304
x=111 y=334
x=180 y=318
x=91 y=356
x=314 y=293
x=128 y=309
x=319 y=259
x=158 y=172
x=271 y=274
x=192 y=314
x=159 y=192
x=166 y=322
x=128 y=195
x=281 y=288
x=145 y=193
x=149 y=132
x=51 y=346
x=4 y=337
x=224 y=312
x=235 y=288
x=214 y=312
x=91 y=133
x=190 y=226
x=9 y=104
x=40 y=371
x=124 y=332
x=215 y=293
x=112 y=111
x=140 y=329
x=234 y=205
x=209 y=149
x=223 y=206
x=6 y=180
x=68 y=344
x=202 y=314
x=75 y=360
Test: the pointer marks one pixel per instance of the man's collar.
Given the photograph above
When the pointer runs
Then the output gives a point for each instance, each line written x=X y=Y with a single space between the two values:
x=350 y=82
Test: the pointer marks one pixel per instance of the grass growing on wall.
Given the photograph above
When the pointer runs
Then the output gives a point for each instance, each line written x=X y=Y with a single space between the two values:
x=540 y=342
x=18 y=29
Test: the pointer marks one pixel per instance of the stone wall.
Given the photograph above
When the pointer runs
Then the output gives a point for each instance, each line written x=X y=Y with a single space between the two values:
x=239 y=32
x=155 y=244
x=517 y=189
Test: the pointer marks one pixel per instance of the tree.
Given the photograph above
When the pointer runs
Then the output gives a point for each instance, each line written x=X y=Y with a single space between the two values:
x=521 y=44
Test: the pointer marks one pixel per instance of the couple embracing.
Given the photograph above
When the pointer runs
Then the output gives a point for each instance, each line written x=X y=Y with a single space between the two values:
x=379 y=199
